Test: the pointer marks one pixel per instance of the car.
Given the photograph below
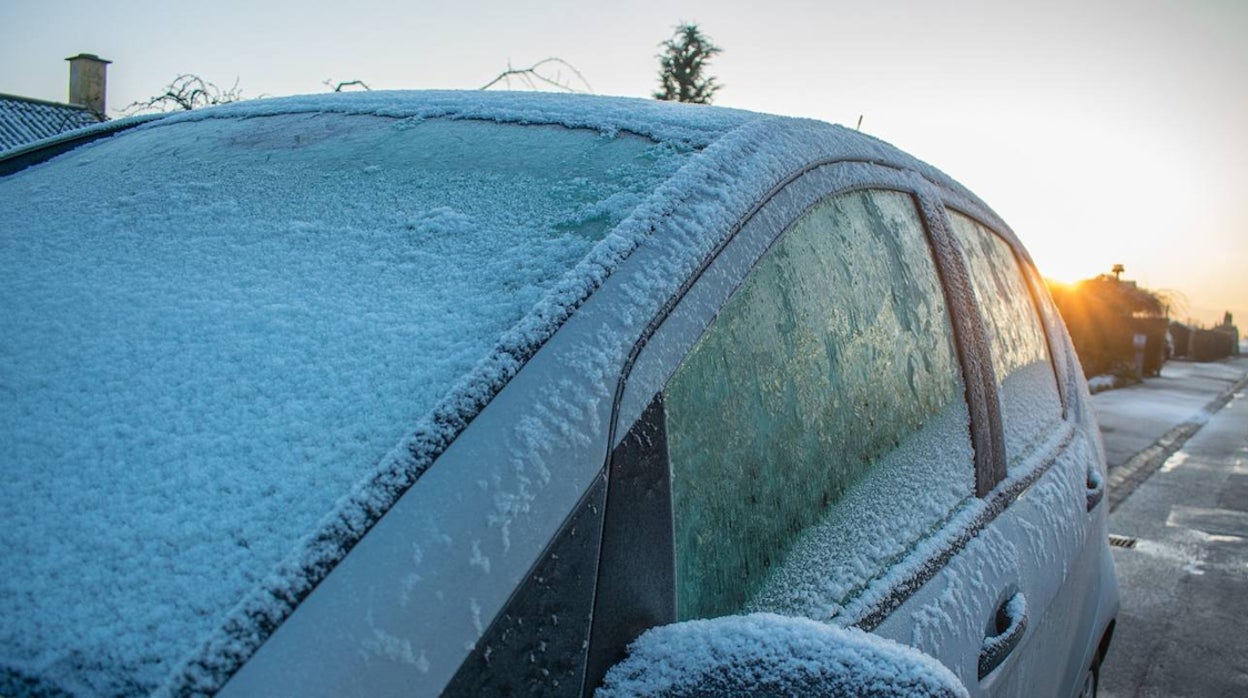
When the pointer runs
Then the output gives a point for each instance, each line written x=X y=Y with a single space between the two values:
x=467 y=393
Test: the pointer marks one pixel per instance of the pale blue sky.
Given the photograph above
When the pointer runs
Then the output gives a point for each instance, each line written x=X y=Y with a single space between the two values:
x=1103 y=132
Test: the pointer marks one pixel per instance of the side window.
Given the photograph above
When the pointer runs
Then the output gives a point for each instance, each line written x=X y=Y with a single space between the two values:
x=818 y=429
x=1030 y=402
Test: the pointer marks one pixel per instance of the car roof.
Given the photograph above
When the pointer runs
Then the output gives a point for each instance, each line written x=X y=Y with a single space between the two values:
x=707 y=167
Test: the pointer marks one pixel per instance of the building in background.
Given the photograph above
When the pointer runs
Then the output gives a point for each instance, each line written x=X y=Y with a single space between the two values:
x=24 y=120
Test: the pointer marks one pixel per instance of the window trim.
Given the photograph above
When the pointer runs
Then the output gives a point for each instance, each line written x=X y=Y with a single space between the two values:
x=934 y=200
x=1049 y=315
x=675 y=300
x=786 y=227
x=971 y=339
x=1031 y=279
x=1035 y=289
x=965 y=323
x=635 y=582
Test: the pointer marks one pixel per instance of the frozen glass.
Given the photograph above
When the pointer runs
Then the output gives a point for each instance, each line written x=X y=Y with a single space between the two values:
x=833 y=355
x=1030 y=403
x=212 y=331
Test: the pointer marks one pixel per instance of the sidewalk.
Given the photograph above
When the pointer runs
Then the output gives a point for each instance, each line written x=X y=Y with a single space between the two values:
x=1133 y=418
x=1178 y=453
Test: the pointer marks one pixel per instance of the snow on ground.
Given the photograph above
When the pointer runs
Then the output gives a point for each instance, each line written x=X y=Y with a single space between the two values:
x=1097 y=384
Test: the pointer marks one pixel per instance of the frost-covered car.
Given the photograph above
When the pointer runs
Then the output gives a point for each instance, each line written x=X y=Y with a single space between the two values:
x=462 y=394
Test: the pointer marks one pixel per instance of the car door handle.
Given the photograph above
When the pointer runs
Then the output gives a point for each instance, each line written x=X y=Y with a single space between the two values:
x=1096 y=487
x=1009 y=626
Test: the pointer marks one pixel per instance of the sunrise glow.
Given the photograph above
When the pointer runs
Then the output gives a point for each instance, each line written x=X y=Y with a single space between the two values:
x=1103 y=133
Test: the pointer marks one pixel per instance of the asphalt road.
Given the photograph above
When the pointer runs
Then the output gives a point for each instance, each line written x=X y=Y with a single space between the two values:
x=1184 y=583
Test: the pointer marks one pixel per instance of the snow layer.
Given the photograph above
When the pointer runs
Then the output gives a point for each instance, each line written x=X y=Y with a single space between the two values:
x=767 y=654
x=921 y=488
x=845 y=361
x=953 y=619
x=66 y=294
x=1099 y=384
x=231 y=328
x=660 y=121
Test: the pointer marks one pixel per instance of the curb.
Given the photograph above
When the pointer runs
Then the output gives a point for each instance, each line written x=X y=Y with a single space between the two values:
x=1124 y=479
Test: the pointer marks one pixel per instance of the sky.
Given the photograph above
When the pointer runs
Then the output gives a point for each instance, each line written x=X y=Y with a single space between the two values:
x=1106 y=132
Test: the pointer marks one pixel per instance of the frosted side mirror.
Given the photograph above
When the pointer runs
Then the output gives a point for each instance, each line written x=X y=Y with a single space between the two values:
x=765 y=654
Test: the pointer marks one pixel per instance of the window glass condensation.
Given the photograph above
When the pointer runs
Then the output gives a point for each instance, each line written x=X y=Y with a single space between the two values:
x=818 y=429
x=1030 y=403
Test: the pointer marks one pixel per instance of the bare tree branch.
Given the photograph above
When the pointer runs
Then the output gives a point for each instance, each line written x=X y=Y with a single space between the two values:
x=186 y=91
x=539 y=73
x=338 y=87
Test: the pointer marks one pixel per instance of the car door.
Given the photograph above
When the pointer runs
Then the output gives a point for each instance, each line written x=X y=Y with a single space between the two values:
x=797 y=431
x=1052 y=488
x=1042 y=494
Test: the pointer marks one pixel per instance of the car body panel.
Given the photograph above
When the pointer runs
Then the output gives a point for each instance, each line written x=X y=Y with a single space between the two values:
x=432 y=567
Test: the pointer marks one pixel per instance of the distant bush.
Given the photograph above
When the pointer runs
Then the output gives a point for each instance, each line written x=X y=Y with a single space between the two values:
x=1211 y=345
x=1103 y=315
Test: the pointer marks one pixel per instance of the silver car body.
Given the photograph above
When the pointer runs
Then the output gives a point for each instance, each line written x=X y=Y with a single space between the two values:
x=430 y=562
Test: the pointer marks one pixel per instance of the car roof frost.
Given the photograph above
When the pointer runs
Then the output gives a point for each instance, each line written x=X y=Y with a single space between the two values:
x=730 y=160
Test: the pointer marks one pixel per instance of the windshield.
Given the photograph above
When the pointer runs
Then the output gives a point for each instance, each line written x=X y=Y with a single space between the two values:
x=212 y=331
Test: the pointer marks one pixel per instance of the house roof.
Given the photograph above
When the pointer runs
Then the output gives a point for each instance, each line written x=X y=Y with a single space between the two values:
x=24 y=120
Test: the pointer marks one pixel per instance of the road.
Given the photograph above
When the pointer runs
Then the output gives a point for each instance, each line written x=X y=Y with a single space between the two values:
x=1185 y=580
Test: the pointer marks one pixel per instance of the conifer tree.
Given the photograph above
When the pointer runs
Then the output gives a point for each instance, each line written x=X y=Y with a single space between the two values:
x=682 y=64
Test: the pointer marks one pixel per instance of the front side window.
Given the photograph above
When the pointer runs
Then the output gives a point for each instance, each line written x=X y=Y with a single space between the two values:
x=1030 y=403
x=818 y=429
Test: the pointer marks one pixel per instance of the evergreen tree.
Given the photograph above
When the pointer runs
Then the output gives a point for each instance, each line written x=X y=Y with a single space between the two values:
x=685 y=56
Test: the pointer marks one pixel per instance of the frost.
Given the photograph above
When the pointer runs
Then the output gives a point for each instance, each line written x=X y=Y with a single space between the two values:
x=230 y=342
x=939 y=623
x=409 y=584
x=858 y=444
x=1030 y=403
x=913 y=492
x=766 y=654
x=1174 y=461
x=395 y=649
x=474 y=610
x=234 y=337
x=479 y=560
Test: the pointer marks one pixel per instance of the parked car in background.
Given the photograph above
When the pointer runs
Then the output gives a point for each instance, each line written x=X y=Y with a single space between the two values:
x=461 y=393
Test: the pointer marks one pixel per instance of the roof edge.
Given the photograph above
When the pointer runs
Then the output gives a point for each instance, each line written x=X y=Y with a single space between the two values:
x=48 y=103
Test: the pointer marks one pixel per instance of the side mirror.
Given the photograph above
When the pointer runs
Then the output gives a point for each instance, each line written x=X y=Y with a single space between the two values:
x=768 y=655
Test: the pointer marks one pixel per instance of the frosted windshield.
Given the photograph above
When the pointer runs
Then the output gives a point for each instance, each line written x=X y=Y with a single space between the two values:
x=211 y=331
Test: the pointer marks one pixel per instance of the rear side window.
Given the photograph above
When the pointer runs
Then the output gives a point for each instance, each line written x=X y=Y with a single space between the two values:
x=818 y=428
x=1030 y=402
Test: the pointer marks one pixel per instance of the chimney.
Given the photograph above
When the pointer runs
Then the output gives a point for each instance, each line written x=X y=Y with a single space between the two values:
x=87 y=81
